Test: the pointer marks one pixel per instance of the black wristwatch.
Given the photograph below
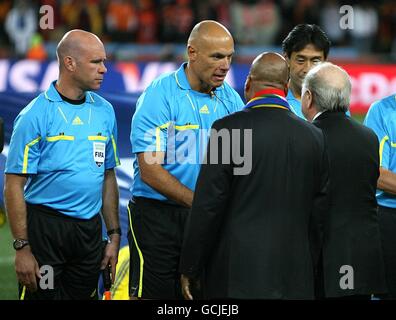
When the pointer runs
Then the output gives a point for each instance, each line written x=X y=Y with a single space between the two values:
x=114 y=231
x=20 y=243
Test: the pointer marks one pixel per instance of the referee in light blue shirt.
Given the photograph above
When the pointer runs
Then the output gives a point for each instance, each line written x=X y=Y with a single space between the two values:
x=169 y=132
x=381 y=117
x=63 y=148
x=306 y=46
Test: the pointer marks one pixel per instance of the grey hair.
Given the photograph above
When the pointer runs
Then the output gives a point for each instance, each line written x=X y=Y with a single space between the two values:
x=328 y=97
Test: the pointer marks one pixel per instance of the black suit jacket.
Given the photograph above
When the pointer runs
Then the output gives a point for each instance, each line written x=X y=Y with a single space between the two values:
x=352 y=234
x=248 y=235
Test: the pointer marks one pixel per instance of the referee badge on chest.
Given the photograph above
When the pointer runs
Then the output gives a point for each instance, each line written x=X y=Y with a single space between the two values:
x=99 y=150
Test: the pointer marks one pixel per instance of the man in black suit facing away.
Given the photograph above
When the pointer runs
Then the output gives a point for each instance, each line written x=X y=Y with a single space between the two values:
x=248 y=235
x=352 y=258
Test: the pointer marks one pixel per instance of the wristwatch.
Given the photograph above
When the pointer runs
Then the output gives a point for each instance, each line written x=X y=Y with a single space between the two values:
x=114 y=231
x=20 y=243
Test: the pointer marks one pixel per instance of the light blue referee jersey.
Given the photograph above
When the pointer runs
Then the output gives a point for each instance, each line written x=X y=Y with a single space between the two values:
x=173 y=118
x=65 y=149
x=295 y=105
x=381 y=117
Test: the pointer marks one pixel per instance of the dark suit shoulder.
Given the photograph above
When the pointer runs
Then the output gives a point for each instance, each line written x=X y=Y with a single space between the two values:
x=264 y=117
x=303 y=125
x=365 y=130
x=236 y=119
x=310 y=126
x=340 y=123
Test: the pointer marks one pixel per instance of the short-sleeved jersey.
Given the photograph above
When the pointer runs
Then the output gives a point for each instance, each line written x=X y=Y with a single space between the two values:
x=172 y=117
x=65 y=149
x=381 y=117
x=295 y=105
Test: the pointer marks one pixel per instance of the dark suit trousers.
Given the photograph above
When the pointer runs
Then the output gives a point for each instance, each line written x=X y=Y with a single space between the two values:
x=387 y=223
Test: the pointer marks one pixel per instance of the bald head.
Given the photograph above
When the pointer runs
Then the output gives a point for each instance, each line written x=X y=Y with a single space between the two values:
x=208 y=30
x=210 y=49
x=81 y=57
x=330 y=87
x=76 y=43
x=270 y=69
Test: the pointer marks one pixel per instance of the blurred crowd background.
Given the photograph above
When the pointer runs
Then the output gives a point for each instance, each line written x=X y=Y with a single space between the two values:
x=149 y=24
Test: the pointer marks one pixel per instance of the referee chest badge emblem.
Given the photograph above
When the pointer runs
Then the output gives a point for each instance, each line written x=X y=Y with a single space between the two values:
x=99 y=149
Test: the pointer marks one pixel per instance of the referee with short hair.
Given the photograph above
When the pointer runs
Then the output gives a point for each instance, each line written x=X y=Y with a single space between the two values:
x=60 y=176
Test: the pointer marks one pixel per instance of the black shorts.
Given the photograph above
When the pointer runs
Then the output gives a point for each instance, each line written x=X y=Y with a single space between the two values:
x=155 y=238
x=387 y=223
x=72 y=247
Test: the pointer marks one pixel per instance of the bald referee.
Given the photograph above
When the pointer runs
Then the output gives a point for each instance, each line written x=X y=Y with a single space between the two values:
x=169 y=127
x=60 y=176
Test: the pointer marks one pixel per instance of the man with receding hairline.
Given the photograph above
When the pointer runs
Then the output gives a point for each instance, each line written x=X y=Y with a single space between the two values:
x=63 y=148
x=168 y=135
x=351 y=231
x=257 y=235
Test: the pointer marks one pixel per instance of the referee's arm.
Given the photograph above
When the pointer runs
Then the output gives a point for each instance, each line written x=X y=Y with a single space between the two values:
x=26 y=266
x=110 y=200
x=387 y=181
x=158 y=178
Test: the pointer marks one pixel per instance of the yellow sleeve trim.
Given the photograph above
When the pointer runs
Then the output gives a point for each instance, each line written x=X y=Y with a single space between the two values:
x=188 y=127
x=157 y=135
x=26 y=154
x=115 y=150
x=100 y=138
x=60 y=137
x=381 y=148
